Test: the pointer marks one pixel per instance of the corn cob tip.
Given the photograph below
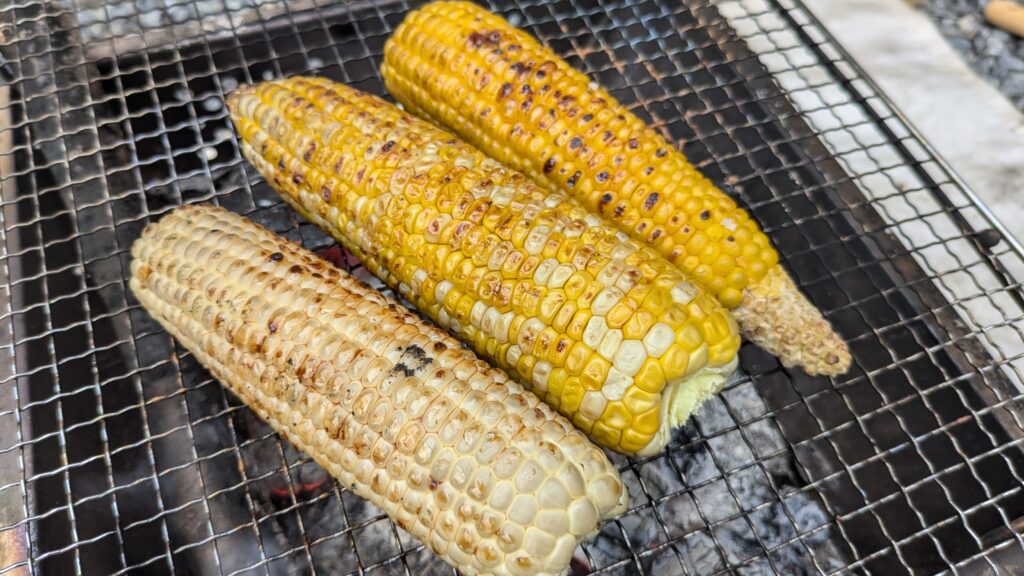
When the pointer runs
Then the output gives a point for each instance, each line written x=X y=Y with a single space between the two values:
x=595 y=324
x=775 y=315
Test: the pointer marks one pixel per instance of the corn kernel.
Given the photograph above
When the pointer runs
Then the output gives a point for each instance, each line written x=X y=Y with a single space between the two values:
x=578 y=324
x=595 y=331
x=650 y=377
x=690 y=337
x=575 y=285
x=595 y=372
x=550 y=306
x=592 y=406
x=639 y=400
x=514 y=327
x=620 y=313
x=552 y=245
x=605 y=434
x=553 y=401
x=559 y=350
x=605 y=299
x=639 y=323
x=616 y=384
x=525 y=365
x=564 y=316
x=560 y=276
x=617 y=416
x=610 y=343
x=633 y=441
x=722 y=352
x=587 y=297
x=539 y=377
x=675 y=361
x=557 y=380
x=647 y=423
x=657 y=301
x=545 y=342
x=572 y=396
x=630 y=357
x=544 y=271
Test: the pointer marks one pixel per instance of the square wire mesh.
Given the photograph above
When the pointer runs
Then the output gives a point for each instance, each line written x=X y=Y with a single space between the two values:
x=118 y=453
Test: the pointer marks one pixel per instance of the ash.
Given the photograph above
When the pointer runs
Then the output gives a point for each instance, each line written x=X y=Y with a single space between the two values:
x=996 y=54
x=721 y=495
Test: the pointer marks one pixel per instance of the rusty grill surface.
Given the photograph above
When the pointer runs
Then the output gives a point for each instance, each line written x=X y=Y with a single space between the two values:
x=118 y=453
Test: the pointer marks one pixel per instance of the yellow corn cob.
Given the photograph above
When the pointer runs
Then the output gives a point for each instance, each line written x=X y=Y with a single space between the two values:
x=497 y=87
x=603 y=329
x=457 y=454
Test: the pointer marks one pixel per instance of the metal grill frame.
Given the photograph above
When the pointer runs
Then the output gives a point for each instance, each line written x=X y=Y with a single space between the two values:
x=63 y=178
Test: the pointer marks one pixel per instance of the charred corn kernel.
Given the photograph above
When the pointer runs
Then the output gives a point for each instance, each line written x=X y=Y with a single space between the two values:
x=551 y=122
x=332 y=365
x=425 y=211
x=576 y=283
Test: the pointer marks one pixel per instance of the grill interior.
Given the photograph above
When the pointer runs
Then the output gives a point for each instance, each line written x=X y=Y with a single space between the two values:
x=120 y=454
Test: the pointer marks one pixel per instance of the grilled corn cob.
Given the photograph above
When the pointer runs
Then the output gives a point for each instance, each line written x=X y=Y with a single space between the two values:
x=603 y=329
x=466 y=460
x=497 y=87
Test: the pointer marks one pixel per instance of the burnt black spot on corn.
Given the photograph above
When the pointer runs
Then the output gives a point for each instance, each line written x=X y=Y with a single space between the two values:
x=744 y=275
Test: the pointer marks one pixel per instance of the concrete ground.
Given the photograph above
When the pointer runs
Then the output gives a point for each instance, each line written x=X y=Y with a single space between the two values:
x=970 y=123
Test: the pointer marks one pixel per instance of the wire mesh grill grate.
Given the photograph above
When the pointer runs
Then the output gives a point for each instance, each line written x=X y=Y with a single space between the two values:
x=118 y=453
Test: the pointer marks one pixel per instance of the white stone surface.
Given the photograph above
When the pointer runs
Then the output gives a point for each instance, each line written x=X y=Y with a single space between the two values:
x=972 y=125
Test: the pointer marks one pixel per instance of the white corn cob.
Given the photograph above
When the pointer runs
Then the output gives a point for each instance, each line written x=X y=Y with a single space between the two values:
x=491 y=479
